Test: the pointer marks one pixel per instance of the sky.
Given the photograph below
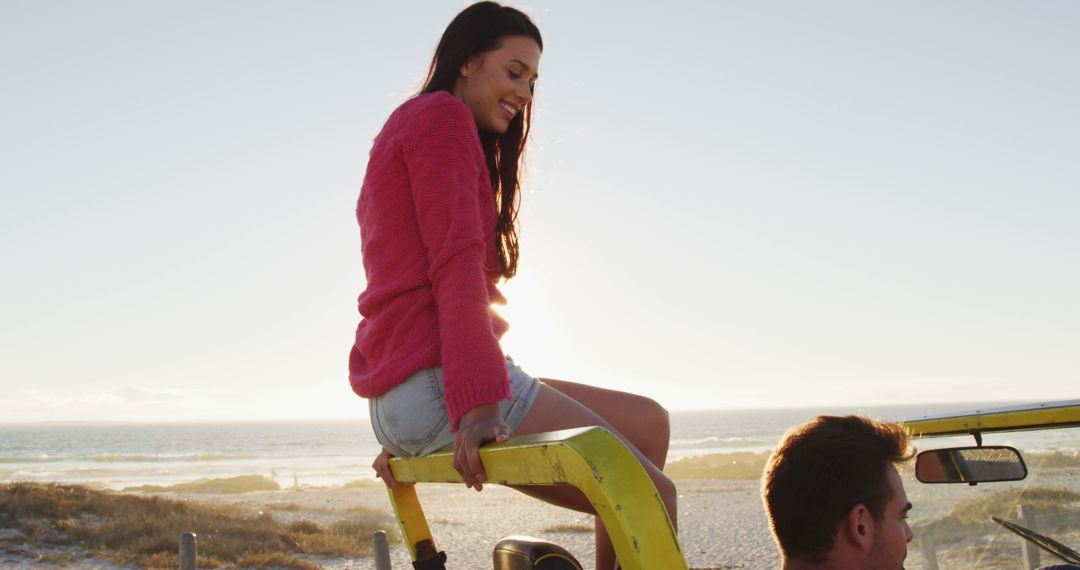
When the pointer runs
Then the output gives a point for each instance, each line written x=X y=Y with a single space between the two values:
x=727 y=204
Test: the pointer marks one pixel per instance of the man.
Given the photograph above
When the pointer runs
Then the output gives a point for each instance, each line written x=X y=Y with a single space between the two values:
x=834 y=497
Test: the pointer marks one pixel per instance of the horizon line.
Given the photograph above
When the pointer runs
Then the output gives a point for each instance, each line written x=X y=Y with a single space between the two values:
x=364 y=418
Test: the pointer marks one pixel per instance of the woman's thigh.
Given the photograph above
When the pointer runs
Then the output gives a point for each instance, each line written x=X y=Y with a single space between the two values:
x=638 y=419
x=554 y=410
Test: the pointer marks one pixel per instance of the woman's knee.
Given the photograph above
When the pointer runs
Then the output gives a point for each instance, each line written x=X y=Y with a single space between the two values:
x=655 y=415
x=653 y=426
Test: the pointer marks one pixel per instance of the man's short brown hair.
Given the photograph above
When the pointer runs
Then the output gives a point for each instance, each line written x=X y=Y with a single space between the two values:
x=820 y=471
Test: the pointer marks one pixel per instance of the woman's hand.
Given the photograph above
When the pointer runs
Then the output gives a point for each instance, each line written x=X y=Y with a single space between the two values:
x=382 y=468
x=479 y=426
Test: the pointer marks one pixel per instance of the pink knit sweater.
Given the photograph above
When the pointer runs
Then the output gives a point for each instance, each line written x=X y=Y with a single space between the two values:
x=427 y=230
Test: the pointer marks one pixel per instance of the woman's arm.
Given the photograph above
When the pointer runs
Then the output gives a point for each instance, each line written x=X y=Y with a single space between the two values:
x=480 y=425
x=446 y=170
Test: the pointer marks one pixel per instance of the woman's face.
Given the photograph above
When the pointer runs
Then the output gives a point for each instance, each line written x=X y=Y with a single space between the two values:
x=496 y=85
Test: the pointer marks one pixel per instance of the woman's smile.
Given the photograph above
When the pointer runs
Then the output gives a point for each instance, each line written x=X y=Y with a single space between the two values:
x=498 y=84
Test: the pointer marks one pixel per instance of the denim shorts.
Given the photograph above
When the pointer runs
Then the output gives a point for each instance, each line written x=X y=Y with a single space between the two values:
x=411 y=419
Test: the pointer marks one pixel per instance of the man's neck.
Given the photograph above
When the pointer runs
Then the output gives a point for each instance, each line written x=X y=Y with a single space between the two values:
x=832 y=563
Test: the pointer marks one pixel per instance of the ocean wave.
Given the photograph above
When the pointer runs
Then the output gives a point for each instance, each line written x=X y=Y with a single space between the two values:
x=129 y=458
x=195 y=457
x=35 y=459
x=713 y=439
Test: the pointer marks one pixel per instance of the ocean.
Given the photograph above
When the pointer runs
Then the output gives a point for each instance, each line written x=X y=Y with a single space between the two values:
x=332 y=453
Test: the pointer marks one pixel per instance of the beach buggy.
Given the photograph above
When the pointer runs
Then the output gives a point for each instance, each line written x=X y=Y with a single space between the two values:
x=599 y=464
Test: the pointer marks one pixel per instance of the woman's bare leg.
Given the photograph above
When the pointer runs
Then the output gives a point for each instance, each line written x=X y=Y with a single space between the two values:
x=648 y=427
x=622 y=414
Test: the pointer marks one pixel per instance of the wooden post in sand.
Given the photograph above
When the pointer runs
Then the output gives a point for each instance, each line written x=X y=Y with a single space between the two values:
x=187 y=551
x=1029 y=550
x=381 y=550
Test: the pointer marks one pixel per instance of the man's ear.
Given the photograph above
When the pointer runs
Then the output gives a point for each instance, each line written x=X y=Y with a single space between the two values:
x=858 y=527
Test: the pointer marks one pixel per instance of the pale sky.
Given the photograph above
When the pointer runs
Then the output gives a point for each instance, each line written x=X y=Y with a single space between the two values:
x=728 y=204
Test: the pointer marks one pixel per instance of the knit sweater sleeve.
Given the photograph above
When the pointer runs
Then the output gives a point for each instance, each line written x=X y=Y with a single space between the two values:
x=445 y=161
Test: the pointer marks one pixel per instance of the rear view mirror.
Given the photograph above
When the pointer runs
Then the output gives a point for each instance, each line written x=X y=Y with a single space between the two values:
x=970 y=465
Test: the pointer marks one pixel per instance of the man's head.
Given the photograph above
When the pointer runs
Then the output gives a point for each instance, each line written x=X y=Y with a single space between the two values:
x=834 y=496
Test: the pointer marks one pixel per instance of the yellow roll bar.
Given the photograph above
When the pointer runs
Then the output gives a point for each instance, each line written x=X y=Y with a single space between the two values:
x=591 y=459
x=1013 y=418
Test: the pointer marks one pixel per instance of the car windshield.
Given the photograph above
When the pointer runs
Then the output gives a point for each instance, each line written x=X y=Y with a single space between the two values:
x=952 y=522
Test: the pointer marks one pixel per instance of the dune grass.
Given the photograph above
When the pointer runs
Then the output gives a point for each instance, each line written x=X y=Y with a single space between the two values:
x=284 y=507
x=1051 y=459
x=145 y=530
x=569 y=528
x=744 y=465
x=1003 y=503
x=970 y=514
x=748 y=465
x=363 y=484
x=224 y=486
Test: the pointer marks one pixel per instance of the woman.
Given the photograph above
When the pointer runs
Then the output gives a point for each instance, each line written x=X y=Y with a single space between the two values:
x=437 y=214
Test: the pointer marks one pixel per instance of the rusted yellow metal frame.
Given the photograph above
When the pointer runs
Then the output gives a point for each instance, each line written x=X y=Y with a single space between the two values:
x=591 y=459
x=413 y=524
x=1017 y=418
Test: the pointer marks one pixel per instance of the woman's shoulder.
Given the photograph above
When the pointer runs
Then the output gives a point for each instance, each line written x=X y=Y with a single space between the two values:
x=432 y=110
x=443 y=100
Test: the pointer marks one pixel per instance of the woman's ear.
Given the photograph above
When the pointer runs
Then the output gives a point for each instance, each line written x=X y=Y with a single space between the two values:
x=472 y=65
x=468 y=67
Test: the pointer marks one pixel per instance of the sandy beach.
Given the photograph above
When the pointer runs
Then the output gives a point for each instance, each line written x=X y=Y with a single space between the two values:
x=723 y=524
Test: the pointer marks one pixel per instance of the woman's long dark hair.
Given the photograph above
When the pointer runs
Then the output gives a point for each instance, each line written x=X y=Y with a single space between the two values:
x=478 y=29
